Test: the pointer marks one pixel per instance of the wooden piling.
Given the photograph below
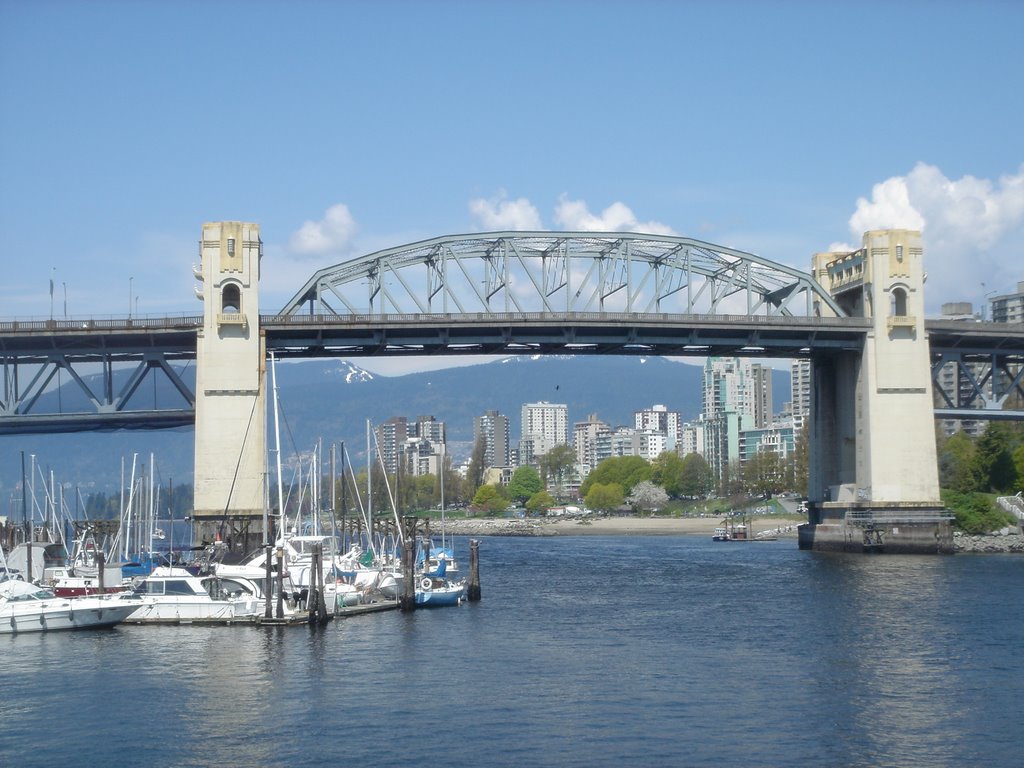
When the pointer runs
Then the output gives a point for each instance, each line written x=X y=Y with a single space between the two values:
x=280 y=582
x=268 y=610
x=101 y=568
x=407 y=595
x=473 y=588
x=313 y=595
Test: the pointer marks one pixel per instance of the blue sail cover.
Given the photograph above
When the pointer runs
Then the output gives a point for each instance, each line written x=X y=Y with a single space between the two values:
x=442 y=567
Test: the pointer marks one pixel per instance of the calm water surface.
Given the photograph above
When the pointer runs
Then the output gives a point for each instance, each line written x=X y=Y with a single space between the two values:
x=587 y=651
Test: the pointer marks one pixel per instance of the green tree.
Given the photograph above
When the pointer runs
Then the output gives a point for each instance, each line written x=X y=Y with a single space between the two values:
x=525 y=483
x=959 y=469
x=995 y=459
x=667 y=471
x=1018 y=465
x=801 y=459
x=604 y=497
x=556 y=463
x=540 y=502
x=697 y=479
x=624 y=471
x=764 y=474
x=489 y=498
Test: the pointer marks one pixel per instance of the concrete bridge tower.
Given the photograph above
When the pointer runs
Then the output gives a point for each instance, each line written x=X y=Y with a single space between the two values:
x=230 y=436
x=874 y=481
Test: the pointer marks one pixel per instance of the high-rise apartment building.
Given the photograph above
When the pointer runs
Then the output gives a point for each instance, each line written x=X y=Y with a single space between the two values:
x=1009 y=308
x=737 y=396
x=544 y=425
x=659 y=419
x=585 y=435
x=800 y=389
x=399 y=441
x=492 y=429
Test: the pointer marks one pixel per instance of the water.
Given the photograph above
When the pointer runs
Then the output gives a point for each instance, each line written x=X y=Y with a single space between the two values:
x=587 y=651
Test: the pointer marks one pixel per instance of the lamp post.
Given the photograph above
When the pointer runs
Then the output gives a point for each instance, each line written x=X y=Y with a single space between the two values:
x=65 y=299
x=130 y=294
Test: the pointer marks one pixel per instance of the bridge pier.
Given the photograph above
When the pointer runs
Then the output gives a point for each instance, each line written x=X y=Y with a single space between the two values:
x=230 y=434
x=874 y=484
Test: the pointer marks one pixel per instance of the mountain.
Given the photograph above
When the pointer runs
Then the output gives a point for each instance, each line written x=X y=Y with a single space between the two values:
x=332 y=399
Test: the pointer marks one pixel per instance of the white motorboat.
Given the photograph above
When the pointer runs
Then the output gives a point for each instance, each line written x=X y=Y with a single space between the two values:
x=24 y=607
x=175 y=596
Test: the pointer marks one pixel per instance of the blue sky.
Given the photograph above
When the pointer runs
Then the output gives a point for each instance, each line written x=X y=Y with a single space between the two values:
x=780 y=128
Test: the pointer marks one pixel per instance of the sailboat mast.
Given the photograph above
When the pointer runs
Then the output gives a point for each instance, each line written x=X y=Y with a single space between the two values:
x=277 y=447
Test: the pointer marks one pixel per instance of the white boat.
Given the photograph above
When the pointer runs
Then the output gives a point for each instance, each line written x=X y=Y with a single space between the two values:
x=175 y=596
x=24 y=607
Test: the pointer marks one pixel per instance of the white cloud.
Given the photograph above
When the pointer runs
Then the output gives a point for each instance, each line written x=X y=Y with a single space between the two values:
x=498 y=213
x=973 y=229
x=617 y=217
x=331 y=235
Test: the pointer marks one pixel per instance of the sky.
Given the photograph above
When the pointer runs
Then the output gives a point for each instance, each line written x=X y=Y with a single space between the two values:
x=777 y=128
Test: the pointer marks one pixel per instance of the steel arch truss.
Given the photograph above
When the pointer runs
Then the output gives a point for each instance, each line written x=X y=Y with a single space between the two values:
x=107 y=392
x=558 y=272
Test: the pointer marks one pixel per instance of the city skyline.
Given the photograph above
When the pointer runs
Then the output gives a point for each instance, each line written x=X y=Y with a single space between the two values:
x=758 y=141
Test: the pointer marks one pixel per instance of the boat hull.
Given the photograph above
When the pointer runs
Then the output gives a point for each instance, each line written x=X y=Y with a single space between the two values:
x=62 y=614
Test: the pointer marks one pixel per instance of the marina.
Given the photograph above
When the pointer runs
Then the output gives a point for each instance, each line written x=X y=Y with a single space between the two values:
x=588 y=672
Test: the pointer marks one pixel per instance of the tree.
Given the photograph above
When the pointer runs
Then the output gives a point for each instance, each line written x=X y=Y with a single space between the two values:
x=764 y=474
x=624 y=471
x=1018 y=464
x=604 y=497
x=959 y=469
x=801 y=460
x=646 y=496
x=525 y=483
x=556 y=463
x=475 y=472
x=697 y=479
x=667 y=471
x=540 y=502
x=489 y=498
x=995 y=459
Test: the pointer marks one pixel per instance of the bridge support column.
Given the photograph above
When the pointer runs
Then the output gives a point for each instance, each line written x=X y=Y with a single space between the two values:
x=230 y=435
x=874 y=482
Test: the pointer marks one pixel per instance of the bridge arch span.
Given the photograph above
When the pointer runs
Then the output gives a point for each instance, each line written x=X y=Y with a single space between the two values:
x=561 y=272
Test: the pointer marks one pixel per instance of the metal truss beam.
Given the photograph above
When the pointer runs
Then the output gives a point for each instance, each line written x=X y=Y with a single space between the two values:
x=67 y=376
x=562 y=272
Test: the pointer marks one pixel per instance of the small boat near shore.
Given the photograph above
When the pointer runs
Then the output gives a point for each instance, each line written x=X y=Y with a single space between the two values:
x=25 y=607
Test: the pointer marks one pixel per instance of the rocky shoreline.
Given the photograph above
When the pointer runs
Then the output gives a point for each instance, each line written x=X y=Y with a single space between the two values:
x=1007 y=540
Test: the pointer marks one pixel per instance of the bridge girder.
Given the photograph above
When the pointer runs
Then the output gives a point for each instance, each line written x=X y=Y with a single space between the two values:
x=562 y=272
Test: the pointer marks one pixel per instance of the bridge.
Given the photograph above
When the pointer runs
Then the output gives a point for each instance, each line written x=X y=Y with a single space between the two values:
x=518 y=293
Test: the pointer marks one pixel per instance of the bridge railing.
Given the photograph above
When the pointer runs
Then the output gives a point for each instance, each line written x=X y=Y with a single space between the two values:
x=888 y=517
x=612 y=317
x=147 y=322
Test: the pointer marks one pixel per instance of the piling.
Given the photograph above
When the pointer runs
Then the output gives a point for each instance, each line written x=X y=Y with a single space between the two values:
x=280 y=582
x=313 y=596
x=268 y=611
x=101 y=567
x=473 y=588
x=407 y=595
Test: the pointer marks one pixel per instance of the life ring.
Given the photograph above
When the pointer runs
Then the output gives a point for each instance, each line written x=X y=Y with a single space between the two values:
x=427 y=584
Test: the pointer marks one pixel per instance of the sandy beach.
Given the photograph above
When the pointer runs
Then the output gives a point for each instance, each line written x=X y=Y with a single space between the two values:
x=609 y=526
